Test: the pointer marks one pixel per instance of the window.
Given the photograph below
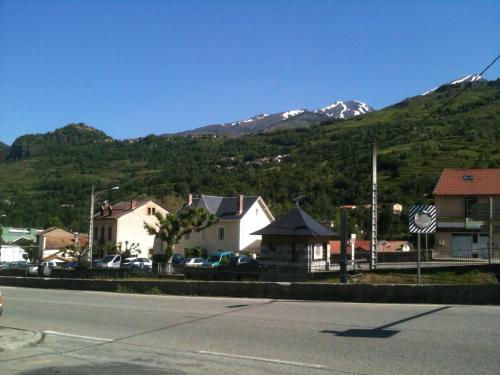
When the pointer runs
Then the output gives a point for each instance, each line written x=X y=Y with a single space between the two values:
x=95 y=233
x=187 y=236
x=272 y=246
x=203 y=235
x=102 y=233
x=110 y=233
x=318 y=252
x=151 y=210
x=221 y=234
x=469 y=202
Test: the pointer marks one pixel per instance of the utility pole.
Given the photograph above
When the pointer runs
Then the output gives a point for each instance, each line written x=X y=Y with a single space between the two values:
x=91 y=218
x=343 y=246
x=373 y=261
x=490 y=244
x=91 y=226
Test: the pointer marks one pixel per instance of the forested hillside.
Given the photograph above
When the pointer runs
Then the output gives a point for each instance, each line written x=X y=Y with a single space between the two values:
x=47 y=178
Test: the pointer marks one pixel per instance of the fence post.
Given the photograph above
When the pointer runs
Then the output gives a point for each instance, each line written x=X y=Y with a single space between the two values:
x=418 y=258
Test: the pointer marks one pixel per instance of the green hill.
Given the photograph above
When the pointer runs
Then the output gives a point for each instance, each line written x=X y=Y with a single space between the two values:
x=329 y=163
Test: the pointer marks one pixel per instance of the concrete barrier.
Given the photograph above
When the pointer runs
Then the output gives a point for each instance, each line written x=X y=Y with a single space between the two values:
x=469 y=294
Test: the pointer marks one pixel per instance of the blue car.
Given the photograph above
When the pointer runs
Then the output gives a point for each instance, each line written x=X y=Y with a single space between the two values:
x=219 y=259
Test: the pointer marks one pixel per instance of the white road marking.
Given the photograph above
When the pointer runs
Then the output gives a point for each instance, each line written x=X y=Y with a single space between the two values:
x=55 y=333
x=301 y=364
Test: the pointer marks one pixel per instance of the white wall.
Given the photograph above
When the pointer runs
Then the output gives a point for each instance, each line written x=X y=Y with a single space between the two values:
x=130 y=228
x=12 y=253
x=254 y=219
x=209 y=238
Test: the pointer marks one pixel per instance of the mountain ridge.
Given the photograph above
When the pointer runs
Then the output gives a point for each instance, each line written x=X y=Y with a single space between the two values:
x=290 y=119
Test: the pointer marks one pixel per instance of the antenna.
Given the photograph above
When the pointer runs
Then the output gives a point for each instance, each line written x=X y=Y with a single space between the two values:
x=297 y=200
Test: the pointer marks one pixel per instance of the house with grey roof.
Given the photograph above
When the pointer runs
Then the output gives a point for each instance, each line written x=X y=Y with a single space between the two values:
x=294 y=246
x=238 y=218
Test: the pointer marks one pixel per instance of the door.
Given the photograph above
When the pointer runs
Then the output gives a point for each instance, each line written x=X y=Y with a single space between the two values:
x=461 y=246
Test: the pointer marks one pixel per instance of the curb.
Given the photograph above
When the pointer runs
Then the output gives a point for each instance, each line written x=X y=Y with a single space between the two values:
x=15 y=338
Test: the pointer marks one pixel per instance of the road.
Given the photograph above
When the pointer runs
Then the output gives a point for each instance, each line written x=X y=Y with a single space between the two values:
x=112 y=333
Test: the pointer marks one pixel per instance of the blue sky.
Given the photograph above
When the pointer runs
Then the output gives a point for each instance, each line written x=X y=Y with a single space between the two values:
x=132 y=68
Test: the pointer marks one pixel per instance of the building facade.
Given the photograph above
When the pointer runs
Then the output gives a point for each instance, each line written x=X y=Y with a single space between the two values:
x=238 y=218
x=294 y=246
x=120 y=227
x=462 y=198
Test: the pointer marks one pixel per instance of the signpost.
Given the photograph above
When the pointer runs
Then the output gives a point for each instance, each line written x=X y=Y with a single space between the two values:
x=422 y=220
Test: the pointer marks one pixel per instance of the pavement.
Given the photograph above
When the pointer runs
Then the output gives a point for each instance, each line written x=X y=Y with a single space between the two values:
x=15 y=338
x=117 y=333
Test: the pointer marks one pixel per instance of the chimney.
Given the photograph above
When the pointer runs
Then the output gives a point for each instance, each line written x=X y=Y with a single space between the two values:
x=190 y=199
x=133 y=204
x=239 y=208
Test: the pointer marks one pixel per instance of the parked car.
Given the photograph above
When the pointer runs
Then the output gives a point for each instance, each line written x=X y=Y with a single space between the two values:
x=70 y=266
x=37 y=270
x=242 y=259
x=219 y=259
x=193 y=262
x=137 y=264
x=109 y=262
x=176 y=259
x=19 y=265
x=52 y=264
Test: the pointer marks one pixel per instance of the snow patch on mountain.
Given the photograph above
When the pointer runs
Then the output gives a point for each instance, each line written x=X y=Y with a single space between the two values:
x=467 y=78
x=470 y=77
x=293 y=113
x=341 y=109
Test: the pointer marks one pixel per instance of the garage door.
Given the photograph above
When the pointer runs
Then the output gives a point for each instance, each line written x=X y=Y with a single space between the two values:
x=461 y=245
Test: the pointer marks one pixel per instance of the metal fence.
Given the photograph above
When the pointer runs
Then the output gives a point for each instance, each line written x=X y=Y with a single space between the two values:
x=430 y=258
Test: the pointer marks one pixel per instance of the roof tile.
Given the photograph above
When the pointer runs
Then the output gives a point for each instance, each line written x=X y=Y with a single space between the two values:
x=454 y=181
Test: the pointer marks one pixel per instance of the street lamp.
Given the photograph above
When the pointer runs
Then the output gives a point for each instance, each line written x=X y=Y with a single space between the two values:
x=91 y=217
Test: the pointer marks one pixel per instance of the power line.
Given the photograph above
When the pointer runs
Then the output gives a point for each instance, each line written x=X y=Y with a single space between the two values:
x=466 y=86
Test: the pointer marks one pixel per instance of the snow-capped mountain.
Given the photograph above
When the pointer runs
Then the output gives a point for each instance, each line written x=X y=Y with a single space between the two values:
x=460 y=81
x=284 y=120
x=346 y=109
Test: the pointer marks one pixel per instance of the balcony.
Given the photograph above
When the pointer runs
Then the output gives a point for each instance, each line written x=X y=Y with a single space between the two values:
x=459 y=223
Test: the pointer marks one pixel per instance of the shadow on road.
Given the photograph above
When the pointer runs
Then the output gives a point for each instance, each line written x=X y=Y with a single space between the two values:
x=113 y=368
x=381 y=332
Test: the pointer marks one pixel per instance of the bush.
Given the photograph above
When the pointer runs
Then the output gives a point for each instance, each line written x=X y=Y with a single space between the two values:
x=194 y=252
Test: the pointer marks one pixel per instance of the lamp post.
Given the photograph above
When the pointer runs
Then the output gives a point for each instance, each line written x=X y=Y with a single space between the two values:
x=93 y=196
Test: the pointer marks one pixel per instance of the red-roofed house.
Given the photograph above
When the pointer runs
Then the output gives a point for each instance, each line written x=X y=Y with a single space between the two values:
x=362 y=247
x=122 y=224
x=53 y=240
x=458 y=233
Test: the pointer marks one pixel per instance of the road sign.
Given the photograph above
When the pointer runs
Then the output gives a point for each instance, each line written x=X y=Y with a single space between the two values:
x=422 y=218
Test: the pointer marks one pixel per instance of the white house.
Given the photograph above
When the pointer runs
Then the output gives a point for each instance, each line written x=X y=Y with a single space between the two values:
x=121 y=226
x=238 y=218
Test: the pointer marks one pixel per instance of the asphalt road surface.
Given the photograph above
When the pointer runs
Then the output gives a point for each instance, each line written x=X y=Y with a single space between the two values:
x=111 y=333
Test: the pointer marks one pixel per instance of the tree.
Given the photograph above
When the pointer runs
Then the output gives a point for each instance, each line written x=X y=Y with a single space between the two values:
x=75 y=250
x=170 y=228
x=30 y=247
